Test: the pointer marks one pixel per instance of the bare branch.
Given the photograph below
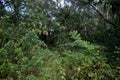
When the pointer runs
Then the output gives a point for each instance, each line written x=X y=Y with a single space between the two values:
x=102 y=15
x=98 y=12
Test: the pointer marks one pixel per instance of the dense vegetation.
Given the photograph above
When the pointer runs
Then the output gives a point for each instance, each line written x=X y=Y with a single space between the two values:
x=59 y=40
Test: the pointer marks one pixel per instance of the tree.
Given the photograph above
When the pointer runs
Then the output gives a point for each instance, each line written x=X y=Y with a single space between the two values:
x=41 y=39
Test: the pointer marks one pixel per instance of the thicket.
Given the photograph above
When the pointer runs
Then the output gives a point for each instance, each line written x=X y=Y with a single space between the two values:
x=71 y=51
x=26 y=59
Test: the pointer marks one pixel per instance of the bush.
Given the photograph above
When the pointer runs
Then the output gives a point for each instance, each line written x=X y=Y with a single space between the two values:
x=82 y=60
x=76 y=59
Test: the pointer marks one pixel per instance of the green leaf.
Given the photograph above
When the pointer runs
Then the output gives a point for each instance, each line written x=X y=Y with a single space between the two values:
x=91 y=74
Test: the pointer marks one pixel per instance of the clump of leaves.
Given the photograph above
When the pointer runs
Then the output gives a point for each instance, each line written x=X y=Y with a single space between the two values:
x=82 y=60
x=18 y=59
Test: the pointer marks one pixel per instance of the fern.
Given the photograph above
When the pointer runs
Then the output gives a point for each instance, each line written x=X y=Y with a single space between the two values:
x=79 y=42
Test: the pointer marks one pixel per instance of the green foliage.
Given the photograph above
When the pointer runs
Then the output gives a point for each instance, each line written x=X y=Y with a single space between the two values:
x=78 y=42
x=24 y=56
x=84 y=62
x=26 y=59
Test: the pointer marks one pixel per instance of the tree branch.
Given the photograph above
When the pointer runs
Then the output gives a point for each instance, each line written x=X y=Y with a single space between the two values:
x=102 y=15
x=106 y=20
